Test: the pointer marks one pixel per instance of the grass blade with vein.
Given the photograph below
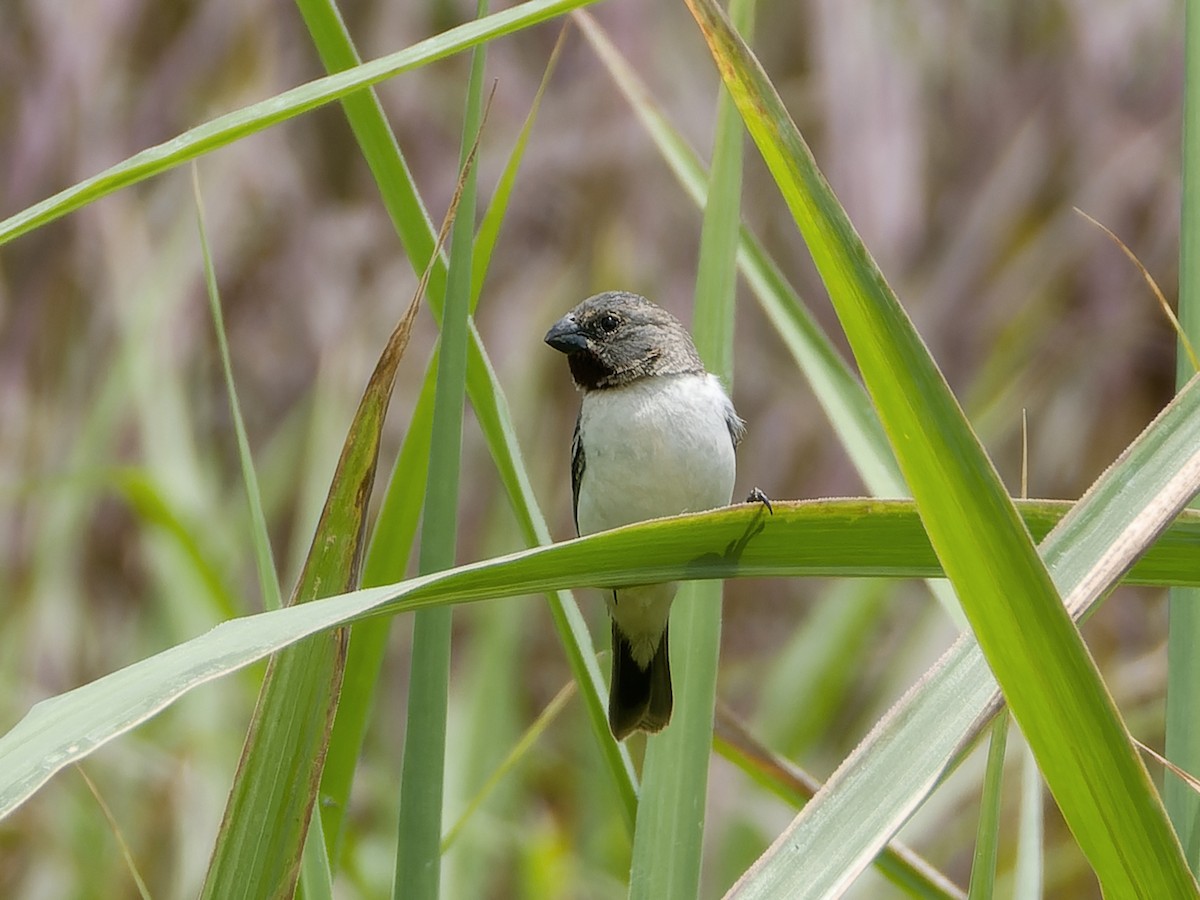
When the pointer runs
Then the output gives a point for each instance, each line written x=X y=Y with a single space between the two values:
x=987 y=838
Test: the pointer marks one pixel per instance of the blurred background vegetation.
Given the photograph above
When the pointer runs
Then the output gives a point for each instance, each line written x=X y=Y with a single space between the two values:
x=959 y=138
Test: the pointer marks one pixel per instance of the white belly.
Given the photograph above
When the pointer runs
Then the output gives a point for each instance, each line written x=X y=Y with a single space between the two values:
x=658 y=447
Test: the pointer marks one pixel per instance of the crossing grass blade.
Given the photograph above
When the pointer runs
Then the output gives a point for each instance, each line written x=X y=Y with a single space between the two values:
x=387 y=556
x=1049 y=680
x=267 y=579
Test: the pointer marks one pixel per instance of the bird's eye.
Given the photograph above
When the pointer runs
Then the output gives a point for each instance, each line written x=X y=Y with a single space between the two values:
x=609 y=322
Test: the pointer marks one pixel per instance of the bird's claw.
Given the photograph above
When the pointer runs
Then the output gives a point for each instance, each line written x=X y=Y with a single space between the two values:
x=757 y=496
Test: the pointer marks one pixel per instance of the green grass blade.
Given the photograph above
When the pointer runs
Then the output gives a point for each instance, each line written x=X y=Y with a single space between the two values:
x=511 y=760
x=316 y=874
x=903 y=759
x=233 y=126
x=668 y=841
x=1027 y=875
x=387 y=558
x=802 y=539
x=670 y=820
x=1183 y=610
x=418 y=853
x=987 y=837
x=268 y=581
x=493 y=217
x=1049 y=679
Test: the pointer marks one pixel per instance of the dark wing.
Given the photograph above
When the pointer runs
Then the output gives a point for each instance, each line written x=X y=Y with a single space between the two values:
x=578 y=463
x=737 y=428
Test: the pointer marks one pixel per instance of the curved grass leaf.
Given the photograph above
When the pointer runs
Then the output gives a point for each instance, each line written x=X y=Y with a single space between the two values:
x=1049 y=680
x=807 y=538
x=268 y=581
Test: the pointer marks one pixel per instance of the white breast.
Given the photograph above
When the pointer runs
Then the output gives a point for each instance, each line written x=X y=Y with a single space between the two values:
x=657 y=447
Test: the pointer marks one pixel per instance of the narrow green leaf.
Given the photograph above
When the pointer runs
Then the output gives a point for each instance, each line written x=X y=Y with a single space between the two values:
x=1050 y=681
x=667 y=842
x=233 y=126
x=987 y=836
x=1027 y=876
x=511 y=760
x=316 y=875
x=418 y=854
x=834 y=538
x=268 y=581
x=493 y=217
x=387 y=558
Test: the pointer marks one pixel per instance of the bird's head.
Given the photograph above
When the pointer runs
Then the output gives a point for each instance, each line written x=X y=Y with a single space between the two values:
x=615 y=338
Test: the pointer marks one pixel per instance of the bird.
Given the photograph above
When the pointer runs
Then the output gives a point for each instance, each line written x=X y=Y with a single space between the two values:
x=655 y=436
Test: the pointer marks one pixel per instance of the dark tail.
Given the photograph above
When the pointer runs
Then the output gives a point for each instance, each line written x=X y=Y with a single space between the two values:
x=638 y=699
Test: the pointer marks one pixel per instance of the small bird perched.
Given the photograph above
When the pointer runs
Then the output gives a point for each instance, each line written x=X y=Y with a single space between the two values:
x=655 y=437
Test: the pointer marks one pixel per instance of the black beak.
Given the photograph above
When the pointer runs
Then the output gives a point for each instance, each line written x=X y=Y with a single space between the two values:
x=565 y=336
